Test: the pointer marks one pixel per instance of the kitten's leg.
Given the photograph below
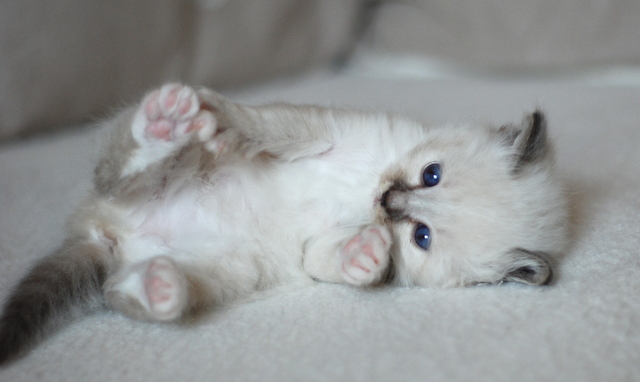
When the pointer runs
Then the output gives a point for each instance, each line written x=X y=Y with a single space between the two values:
x=282 y=131
x=155 y=289
x=360 y=260
x=162 y=289
x=143 y=142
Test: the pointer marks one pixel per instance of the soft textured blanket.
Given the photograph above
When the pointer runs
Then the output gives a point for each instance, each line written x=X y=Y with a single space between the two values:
x=584 y=326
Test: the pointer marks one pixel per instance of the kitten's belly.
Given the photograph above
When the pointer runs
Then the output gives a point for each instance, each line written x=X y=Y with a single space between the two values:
x=191 y=224
x=243 y=215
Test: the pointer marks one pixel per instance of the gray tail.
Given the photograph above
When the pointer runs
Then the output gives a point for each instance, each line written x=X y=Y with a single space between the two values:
x=58 y=288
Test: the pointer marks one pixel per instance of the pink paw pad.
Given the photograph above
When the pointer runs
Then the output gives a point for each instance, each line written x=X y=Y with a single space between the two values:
x=366 y=256
x=172 y=112
x=158 y=289
x=165 y=289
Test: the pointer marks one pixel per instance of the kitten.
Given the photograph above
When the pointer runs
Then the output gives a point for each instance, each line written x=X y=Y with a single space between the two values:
x=199 y=201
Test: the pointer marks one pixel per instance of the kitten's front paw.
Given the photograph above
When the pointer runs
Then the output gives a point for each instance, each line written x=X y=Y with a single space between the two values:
x=170 y=114
x=365 y=258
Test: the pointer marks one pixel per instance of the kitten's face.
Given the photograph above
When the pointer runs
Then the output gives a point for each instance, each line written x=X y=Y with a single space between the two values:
x=474 y=205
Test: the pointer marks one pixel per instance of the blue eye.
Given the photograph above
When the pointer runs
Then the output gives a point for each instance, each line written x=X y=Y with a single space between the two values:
x=422 y=236
x=431 y=175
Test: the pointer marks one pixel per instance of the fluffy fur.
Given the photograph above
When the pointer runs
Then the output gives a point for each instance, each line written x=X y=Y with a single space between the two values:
x=199 y=200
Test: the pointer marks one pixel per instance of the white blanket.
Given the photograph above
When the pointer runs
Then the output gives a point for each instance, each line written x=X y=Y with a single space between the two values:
x=584 y=326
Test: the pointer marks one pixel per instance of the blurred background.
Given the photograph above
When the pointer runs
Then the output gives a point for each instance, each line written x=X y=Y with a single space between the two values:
x=68 y=61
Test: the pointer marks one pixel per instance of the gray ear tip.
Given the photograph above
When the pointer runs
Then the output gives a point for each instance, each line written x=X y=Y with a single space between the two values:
x=531 y=141
x=538 y=113
x=533 y=269
x=531 y=276
x=538 y=119
x=545 y=277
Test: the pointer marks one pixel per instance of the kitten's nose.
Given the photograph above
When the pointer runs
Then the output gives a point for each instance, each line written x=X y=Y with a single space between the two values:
x=394 y=202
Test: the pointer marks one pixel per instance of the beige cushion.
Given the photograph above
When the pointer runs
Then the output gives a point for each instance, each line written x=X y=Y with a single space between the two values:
x=511 y=35
x=62 y=62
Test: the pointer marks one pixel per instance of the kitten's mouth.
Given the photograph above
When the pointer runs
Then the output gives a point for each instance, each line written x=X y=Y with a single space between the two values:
x=393 y=201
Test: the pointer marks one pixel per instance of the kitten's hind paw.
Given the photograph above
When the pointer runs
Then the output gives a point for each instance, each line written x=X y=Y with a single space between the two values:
x=170 y=114
x=166 y=121
x=165 y=288
x=365 y=258
x=154 y=289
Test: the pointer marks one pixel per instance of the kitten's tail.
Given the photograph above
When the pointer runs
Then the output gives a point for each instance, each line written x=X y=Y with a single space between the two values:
x=62 y=286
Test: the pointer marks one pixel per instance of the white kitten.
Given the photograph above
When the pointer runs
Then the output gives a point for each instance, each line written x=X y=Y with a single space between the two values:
x=199 y=200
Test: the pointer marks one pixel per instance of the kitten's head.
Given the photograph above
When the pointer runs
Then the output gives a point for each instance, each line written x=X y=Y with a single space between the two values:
x=474 y=204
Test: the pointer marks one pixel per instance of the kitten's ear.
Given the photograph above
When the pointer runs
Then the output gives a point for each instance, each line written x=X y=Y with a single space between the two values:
x=529 y=140
x=528 y=267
